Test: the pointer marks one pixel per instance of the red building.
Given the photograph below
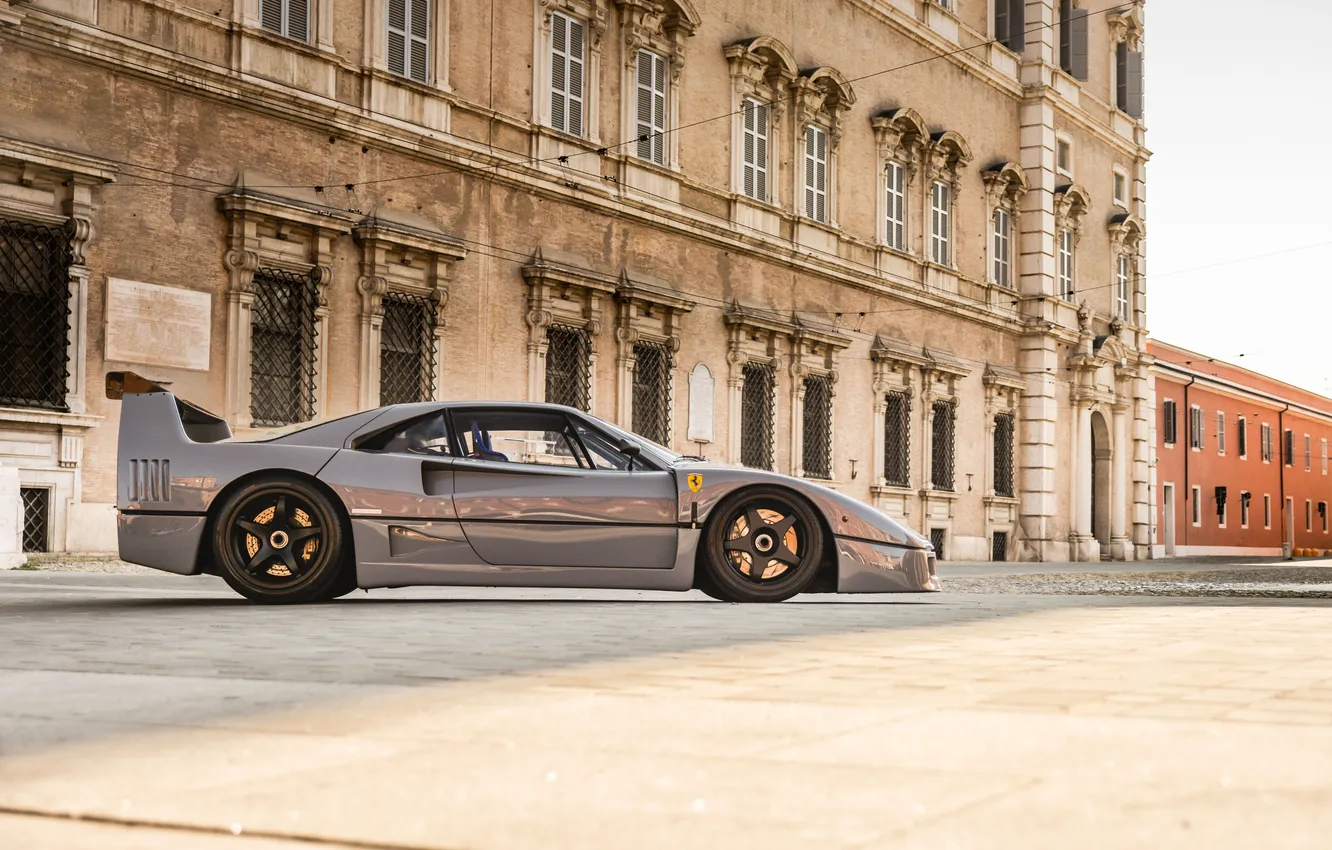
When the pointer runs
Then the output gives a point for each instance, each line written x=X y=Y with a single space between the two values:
x=1241 y=463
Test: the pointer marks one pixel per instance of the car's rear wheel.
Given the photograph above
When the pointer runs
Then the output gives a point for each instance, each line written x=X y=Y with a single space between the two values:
x=281 y=541
x=763 y=545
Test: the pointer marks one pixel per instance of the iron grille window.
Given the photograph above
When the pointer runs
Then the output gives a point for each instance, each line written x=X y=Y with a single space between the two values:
x=283 y=336
x=937 y=536
x=34 y=315
x=942 y=454
x=999 y=546
x=36 y=518
x=897 y=440
x=1003 y=454
x=568 y=367
x=407 y=355
x=756 y=416
x=652 y=391
x=816 y=455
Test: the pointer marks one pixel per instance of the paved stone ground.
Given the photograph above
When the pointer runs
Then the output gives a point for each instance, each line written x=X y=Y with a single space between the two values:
x=164 y=712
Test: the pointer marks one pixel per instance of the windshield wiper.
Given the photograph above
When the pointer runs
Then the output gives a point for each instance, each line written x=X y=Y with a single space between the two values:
x=698 y=458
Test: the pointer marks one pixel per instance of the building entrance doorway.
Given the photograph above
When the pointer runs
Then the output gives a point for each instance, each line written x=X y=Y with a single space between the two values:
x=1100 y=467
x=1168 y=511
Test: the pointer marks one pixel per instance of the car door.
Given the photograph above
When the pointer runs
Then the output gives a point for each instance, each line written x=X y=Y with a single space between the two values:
x=529 y=492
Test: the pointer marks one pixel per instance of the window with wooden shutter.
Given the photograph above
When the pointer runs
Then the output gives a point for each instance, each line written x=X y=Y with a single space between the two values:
x=1325 y=457
x=1265 y=440
x=1289 y=447
x=1066 y=291
x=816 y=174
x=1196 y=427
x=566 y=73
x=940 y=213
x=1308 y=454
x=1010 y=24
x=1242 y=438
x=754 y=162
x=1133 y=93
x=651 y=116
x=1003 y=240
x=409 y=39
x=1123 y=301
x=895 y=180
x=1170 y=423
x=290 y=18
x=1220 y=433
x=1073 y=40
x=1267 y=511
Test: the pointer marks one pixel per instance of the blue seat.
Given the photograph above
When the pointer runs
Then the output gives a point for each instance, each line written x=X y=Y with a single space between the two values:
x=481 y=446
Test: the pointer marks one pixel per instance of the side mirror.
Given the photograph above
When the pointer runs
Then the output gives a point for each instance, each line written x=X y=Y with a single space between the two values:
x=629 y=448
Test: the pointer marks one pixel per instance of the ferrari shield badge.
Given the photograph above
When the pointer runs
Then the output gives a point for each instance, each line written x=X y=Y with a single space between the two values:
x=695 y=482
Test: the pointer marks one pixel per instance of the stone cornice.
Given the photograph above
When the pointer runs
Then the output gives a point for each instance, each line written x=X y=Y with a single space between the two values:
x=32 y=416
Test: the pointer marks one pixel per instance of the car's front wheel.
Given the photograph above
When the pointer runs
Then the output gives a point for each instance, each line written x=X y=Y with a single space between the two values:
x=280 y=541
x=762 y=545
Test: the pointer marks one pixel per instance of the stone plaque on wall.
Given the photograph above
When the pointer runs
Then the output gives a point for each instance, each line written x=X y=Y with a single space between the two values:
x=701 y=390
x=157 y=325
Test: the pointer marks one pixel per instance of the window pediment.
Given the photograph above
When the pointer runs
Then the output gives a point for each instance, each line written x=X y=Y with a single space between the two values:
x=1127 y=232
x=1071 y=203
x=948 y=153
x=823 y=97
x=563 y=290
x=762 y=67
x=1005 y=184
x=659 y=26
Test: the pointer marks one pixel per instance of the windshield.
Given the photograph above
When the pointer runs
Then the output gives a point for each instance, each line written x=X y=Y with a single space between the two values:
x=657 y=449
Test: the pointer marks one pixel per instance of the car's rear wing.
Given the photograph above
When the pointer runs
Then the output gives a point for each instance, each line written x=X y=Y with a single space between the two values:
x=198 y=425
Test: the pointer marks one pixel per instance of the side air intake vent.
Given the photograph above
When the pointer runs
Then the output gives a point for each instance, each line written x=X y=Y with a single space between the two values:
x=150 y=481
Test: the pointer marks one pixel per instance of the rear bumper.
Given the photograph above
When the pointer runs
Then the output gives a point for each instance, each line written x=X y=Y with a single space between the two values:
x=864 y=567
x=167 y=542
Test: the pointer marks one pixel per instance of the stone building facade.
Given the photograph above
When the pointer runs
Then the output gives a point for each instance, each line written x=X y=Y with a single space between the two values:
x=891 y=245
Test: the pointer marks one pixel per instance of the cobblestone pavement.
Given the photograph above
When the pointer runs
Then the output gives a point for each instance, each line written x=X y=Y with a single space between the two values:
x=167 y=713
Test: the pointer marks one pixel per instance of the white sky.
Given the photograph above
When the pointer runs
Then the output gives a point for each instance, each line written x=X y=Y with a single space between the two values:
x=1239 y=118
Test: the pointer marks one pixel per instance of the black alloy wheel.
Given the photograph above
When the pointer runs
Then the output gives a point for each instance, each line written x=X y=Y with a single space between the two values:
x=764 y=545
x=281 y=541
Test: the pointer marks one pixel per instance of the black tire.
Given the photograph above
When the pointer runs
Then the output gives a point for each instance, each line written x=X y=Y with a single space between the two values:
x=788 y=544
x=281 y=541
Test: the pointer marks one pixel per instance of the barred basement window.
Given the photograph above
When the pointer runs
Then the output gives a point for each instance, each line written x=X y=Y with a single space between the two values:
x=568 y=367
x=290 y=18
x=999 y=546
x=816 y=457
x=1003 y=454
x=407 y=356
x=943 y=447
x=937 y=537
x=409 y=38
x=652 y=391
x=757 y=416
x=897 y=440
x=36 y=518
x=282 y=348
x=34 y=315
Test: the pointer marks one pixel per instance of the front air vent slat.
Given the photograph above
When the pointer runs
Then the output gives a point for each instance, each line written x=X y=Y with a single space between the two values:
x=150 y=480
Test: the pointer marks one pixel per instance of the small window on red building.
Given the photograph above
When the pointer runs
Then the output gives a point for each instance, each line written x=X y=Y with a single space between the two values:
x=1242 y=438
x=1169 y=423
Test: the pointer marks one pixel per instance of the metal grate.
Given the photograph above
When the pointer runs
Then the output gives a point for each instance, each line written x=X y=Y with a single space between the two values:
x=282 y=354
x=652 y=391
x=407 y=355
x=816 y=454
x=1003 y=454
x=36 y=518
x=897 y=440
x=568 y=366
x=999 y=546
x=937 y=536
x=943 y=446
x=34 y=315
x=756 y=416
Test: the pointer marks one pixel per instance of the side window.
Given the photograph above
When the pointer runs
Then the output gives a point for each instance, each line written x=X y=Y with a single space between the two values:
x=518 y=436
x=426 y=436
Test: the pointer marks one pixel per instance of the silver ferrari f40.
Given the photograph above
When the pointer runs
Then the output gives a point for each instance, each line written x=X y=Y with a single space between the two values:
x=494 y=494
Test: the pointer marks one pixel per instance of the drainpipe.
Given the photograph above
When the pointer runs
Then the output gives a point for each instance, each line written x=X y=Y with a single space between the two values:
x=1287 y=546
x=1188 y=491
